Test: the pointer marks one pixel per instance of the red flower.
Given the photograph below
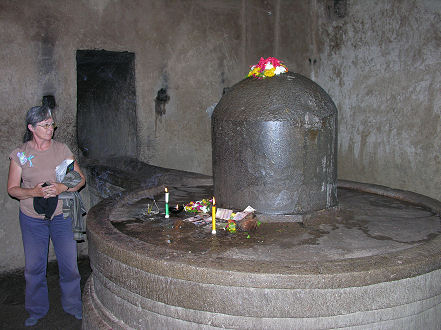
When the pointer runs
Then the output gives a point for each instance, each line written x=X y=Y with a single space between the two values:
x=262 y=63
x=274 y=61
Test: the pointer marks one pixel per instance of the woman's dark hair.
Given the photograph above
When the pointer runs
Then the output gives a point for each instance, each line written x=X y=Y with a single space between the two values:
x=34 y=116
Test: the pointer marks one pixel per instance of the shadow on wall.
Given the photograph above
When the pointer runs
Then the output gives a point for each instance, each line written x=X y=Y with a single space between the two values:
x=161 y=100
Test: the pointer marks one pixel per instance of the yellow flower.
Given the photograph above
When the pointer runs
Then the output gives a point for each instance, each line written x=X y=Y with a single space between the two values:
x=254 y=72
x=270 y=72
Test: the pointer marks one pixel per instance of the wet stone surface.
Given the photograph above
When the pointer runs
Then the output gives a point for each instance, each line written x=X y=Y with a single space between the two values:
x=364 y=225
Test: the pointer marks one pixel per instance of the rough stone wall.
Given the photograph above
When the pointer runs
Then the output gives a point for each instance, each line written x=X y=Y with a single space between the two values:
x=194 y=48
x=295 y=40
x=381 y=65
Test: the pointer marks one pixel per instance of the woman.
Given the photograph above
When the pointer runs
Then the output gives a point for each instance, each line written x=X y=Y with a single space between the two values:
x=32 y=175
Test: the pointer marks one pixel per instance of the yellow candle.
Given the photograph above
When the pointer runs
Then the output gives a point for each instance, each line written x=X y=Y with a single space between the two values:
x=213 y=217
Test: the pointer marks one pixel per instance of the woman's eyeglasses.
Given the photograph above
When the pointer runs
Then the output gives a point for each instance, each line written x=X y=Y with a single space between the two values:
x=46 y=126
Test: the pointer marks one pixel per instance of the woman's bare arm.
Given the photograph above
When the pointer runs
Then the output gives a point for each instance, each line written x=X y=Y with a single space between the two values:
x=14 y=189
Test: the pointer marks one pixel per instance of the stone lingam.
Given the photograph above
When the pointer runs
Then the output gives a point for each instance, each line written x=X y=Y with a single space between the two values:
x=275 y=146
x=372 y=262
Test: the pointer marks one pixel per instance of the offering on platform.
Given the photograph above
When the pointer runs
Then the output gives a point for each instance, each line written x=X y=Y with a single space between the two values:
x=244 y=213
x=223 y=214
x=200 y=219
x=203 y=206
x=228 y=220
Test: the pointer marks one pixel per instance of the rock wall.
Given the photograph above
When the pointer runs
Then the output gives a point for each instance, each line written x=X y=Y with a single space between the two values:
x=378 y=60
x=193 y=48
x=381 y=65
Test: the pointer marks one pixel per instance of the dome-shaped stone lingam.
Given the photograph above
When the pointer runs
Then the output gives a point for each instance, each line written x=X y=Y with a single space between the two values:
x=275 y=146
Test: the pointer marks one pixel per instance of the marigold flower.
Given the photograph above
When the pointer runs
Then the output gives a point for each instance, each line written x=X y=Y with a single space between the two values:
x=270 y=73
x=254 y=72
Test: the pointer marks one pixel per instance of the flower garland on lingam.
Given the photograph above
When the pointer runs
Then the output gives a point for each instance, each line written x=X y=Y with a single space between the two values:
x=268 y=67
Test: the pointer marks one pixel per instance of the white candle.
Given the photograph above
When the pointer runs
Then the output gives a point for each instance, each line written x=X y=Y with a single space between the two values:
x=167 y=214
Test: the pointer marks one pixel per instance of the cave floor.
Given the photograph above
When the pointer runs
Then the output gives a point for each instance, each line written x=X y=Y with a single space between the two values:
x=12 y=310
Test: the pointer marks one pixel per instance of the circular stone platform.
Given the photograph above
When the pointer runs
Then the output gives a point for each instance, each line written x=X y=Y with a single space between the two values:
x=375 y=262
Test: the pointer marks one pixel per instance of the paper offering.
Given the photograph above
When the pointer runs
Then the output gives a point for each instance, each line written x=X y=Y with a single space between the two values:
x=244 y=213
x=249 y=209
x=200 y=219
x=223 y=214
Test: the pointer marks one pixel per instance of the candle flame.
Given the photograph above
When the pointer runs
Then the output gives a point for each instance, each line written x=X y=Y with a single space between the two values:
x=166 y=190
x=214 y=201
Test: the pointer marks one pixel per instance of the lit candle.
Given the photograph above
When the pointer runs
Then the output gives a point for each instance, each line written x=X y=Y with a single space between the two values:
x=213 y=217
x=167 y=213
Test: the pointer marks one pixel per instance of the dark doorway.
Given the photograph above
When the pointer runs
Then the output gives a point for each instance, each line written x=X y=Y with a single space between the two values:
x=106 y=104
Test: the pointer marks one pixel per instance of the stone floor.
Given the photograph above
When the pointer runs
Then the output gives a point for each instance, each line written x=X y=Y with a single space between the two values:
x=12 y=311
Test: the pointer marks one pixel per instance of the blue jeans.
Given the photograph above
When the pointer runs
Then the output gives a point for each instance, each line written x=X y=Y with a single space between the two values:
x=35 y=234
